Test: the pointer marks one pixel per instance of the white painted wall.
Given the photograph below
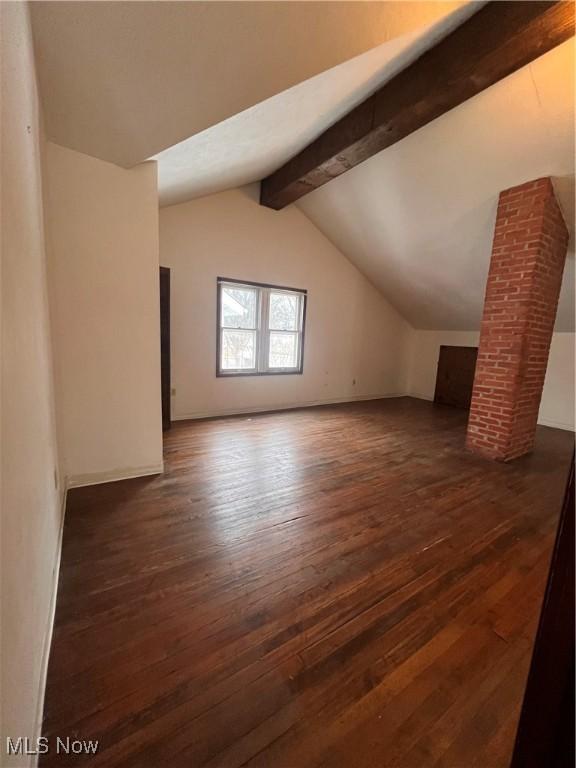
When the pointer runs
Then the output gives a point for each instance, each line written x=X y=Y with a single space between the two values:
x=557 y=406
x=31 y=503
x=352 y=333
x=103 y=281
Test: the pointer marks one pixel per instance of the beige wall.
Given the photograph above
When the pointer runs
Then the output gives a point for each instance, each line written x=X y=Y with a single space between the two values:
x=557 y=406
x=103 y=280
x=352 y=333
x=31 y=503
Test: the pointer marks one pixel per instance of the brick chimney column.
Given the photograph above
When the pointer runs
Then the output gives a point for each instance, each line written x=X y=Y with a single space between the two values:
x=528 y=255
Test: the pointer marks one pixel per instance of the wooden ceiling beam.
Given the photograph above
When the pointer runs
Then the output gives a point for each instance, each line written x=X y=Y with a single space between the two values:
x=496 y=41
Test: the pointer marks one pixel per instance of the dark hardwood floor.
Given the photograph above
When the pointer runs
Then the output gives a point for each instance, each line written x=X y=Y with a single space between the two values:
x=342 y=586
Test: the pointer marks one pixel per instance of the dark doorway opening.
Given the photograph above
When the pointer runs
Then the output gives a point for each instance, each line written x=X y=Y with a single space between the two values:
x=455 y=376
x=165 y=345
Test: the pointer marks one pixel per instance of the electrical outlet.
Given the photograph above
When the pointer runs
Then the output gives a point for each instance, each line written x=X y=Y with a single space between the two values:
x=353 y=382
x=172 y=391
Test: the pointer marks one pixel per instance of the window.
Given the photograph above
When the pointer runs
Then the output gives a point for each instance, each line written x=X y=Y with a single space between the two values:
x=260 y=329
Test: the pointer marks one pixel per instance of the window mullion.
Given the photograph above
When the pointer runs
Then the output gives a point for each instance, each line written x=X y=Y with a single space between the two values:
x=300 y=329
x=264 y=336
x=258 y=331
x=236 y=345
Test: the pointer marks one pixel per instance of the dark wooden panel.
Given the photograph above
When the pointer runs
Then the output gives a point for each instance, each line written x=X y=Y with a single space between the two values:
x=165 y=365
x=455 y=376
x=496 y=41
x=339 y=586
x=545 y=736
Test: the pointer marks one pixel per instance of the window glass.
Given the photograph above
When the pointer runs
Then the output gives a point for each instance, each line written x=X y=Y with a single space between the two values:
x=284 y=311
x=283 y=351
x=238 y=307
x=260 y=329
x=238 y=349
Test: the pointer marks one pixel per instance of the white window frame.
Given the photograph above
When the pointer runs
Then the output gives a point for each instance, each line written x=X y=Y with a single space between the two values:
x=262 y=329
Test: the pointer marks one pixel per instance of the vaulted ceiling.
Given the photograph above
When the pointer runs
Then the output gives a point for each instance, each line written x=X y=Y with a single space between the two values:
x=418 y=218
x=123 y=80
x=223 y=93
x=248 y=146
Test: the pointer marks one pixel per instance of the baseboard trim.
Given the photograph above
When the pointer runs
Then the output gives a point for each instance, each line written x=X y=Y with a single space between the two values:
x=419 y=396
x=541 y=422
x=97 y=478
x=47 y=645
x=71 y=482
x=214 y=414
x=556 y=424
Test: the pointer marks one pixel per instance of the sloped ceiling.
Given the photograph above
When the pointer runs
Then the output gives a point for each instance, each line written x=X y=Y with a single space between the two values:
x=250 y=145
x=418 y=218
x=124 y=80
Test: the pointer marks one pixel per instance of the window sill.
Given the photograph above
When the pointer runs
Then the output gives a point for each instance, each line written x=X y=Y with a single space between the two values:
x=224 y=375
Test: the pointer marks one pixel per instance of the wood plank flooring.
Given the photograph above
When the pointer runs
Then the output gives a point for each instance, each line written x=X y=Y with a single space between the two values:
x=341 y=586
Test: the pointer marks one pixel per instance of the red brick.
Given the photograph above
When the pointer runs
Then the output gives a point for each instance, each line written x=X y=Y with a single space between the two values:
x=528 y=255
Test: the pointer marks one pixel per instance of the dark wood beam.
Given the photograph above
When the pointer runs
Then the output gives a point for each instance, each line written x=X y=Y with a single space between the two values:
x=496 y=41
